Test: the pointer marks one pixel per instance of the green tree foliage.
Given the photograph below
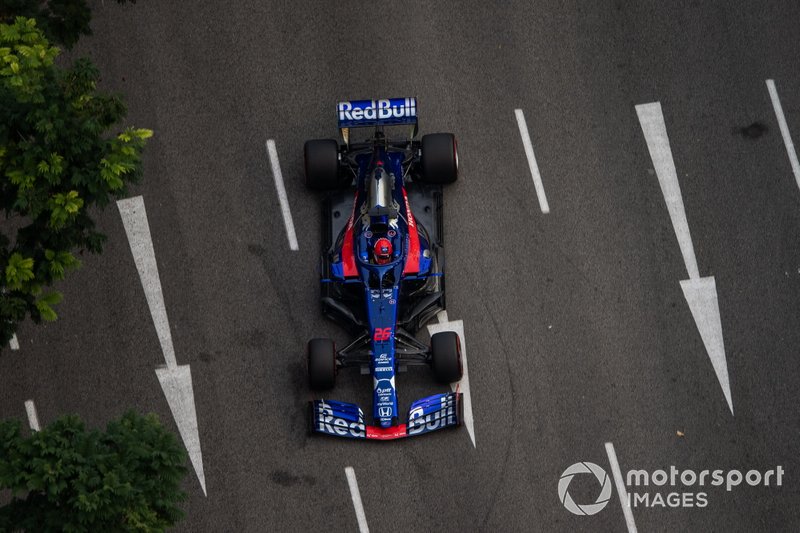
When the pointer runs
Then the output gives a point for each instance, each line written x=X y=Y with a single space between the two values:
x=62 y=21
x=68 y=478
x=57 y=161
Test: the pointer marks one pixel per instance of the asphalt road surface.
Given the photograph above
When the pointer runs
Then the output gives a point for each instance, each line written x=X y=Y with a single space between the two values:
x=577 y=329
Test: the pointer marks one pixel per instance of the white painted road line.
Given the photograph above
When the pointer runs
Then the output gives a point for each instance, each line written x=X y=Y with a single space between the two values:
x=175 y=380
x=282 y=198
x=700 y=293
x=537 y=177
x=355 y=495
x=620 y=484
x=14 y=343
x=134 y=218
x=33 y=416
x=655 y=133
x=177 y=386
x=463 y=385
x=787 y=139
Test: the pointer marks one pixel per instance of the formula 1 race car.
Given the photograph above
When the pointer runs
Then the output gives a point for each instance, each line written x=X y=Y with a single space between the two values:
x=383 y=267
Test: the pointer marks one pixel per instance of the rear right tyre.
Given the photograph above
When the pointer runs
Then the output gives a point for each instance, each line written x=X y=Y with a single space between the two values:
x=322 y=164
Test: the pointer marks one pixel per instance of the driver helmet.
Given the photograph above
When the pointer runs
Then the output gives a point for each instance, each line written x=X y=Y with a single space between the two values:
x=383 y=250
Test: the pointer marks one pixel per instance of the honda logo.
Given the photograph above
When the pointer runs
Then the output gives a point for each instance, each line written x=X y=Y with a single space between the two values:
x=385 y=412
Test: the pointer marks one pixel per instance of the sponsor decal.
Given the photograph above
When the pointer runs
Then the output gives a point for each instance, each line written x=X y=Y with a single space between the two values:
x=384 y=400
x=377 y=109
x=384 y=369
x=348 y=255
x=382 y=359
x=412 y=257
x=385 y=412
x=437 y=420
x=326 y=422
x=384 y=386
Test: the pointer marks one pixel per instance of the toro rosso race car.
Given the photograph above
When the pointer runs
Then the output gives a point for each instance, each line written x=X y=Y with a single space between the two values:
x=383 y=267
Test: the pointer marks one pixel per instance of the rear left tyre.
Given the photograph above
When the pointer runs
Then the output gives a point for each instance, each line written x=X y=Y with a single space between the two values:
x=322 y=164
x=439 y=158
x=446 y=357
x=321 y=364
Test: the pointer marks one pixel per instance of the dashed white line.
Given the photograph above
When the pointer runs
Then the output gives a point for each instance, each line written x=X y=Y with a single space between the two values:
x=282 y=198
x=14 y=342
x=355 y=495
x=621 y=492
x=33 y=416
x=463 y=385
x=534 y=167
x=787 y=138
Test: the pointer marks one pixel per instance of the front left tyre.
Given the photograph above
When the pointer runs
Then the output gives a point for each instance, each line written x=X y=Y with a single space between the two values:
x=321 y=364
x=446 y=357
x=322 y=164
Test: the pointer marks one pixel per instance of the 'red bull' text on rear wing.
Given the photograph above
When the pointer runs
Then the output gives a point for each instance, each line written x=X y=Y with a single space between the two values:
x=342 y=419
x=380 y=112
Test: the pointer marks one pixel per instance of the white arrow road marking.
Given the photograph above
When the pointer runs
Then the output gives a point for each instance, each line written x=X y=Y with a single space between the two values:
x=463 y=385
x=134 y=219
x=621 y=492
x=33 y=416
x=700 y=293
x=355 y=495
x=655 y=132
x=14 y=343
x=176 y=381
x=177 y=385
x=282 y=197
x=787 y=139
x=534 y=167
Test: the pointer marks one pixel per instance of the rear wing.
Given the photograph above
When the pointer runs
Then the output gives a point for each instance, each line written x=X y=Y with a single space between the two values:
x=381 y=112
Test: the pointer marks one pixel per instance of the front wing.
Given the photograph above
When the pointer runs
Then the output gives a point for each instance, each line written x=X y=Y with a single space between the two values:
x=342 y=419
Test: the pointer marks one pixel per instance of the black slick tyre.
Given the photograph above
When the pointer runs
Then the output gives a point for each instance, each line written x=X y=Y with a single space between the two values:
x=322 y=164
x=439 y=158
x=321 y=364
x=446 y=357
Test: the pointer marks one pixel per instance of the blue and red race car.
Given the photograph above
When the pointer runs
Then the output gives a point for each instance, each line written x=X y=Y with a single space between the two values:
x=383 y=267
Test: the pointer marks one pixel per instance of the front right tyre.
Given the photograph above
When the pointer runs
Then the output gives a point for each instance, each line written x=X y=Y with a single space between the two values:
x=321 y=364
